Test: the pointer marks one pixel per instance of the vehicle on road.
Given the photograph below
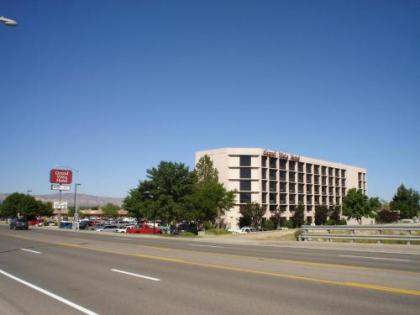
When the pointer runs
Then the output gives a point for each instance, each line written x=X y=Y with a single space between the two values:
x=18 y=224
x=145 y=229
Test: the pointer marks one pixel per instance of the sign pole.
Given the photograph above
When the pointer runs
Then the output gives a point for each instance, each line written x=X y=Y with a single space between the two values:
x=59 y=210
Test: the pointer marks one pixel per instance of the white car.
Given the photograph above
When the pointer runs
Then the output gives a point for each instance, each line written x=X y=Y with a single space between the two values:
x=124 y=229
x=243 y=230
x=107 y=228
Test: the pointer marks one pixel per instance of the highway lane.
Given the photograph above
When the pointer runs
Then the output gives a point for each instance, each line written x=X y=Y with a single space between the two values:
x=371 y=259
x=84 y=277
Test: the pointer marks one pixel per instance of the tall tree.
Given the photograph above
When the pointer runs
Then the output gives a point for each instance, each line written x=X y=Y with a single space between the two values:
x=110 y=210
x=298 y=217
x=357 y=205
x=163 y=195
x=335 y=215
x=321 y=214
x=24 y=205
x=254 y=213
x=208 y=201
x=407 y=201
x=276 y=216
x=205 y=170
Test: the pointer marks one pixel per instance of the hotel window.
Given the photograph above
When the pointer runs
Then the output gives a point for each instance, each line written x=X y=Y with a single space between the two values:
x=273 y=186
x=273 y=163
x=273 y=174
x=264 y=185
x=264 y=161
x=264 y=173
x=245 y=160
x=245 y=185
x=245 y=173
x=245 y=197
x=283 y=164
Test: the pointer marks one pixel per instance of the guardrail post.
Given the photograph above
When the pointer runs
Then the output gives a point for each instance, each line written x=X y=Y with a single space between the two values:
x=353 y=233
x=380 y=233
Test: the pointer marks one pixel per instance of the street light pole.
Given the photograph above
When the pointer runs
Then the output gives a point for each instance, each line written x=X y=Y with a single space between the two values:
x=76 y=213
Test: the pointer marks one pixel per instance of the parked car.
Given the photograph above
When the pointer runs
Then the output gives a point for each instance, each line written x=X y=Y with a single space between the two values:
x=18 y=224
x=188 y=227
x=107 y=228
x=124 y=229
x=37 y=222
x=66 y=225
x=144 y=228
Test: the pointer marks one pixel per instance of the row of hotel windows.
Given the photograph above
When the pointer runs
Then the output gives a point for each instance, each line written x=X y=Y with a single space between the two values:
x=245 y=160
x=245 y=173
x=245 y=185
x=317 y=200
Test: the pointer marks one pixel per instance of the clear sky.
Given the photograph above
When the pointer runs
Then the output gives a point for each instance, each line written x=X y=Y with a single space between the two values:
x=113 y=87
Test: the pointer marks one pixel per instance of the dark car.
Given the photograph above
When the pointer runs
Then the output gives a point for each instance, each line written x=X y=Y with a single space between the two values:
x=188 y=227
x=18 y=224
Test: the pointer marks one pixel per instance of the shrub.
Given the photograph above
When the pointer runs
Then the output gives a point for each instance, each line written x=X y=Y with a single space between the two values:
x=287 y=223
x=297 y=234
x=387 y=216
x=269 y=225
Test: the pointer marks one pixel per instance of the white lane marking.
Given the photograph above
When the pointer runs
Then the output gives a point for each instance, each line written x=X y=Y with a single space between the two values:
x=30 y=251
x=375 y=258
x=135 y=275
x=50 y=294
x=205 y=245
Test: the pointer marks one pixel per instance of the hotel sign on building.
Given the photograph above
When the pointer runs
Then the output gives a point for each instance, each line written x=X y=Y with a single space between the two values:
x=284 y=181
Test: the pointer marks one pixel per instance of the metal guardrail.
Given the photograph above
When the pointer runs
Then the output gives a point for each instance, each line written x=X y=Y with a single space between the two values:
x=359 y=232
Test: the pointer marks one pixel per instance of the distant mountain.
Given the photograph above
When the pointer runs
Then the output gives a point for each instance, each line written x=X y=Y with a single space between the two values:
x=83 y=200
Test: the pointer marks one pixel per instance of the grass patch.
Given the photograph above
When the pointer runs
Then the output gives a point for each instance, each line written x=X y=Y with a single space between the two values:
x=187 y=234
x=217 y=232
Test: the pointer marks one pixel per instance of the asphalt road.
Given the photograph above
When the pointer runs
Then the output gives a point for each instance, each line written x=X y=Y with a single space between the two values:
x=99 y=274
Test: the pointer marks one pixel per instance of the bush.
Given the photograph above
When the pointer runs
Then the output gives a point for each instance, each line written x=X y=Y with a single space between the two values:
x=387 y=216
x=297 y=234
x=334 y=222
x=287 y=223
x=269 y=225
x=208 y=225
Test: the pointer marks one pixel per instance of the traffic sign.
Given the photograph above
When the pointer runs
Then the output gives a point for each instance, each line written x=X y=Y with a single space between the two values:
x=60 y=187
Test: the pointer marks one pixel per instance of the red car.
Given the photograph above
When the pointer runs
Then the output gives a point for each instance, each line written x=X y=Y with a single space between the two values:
x=144 y=228
x=35 y=222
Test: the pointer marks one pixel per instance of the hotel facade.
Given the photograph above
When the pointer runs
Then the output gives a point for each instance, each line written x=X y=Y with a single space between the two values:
x=282 y=180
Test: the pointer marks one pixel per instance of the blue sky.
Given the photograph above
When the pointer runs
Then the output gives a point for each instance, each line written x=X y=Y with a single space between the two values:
x=113 y=87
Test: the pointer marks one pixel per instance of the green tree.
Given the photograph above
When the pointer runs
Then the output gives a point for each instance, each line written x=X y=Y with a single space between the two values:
x=298 y=217
x=407 y=201
x=163 y=195
x=24 y=205
x=253 y=212
x=357 y=205
x=321 y=215
x=335 y=217
x=110 y=210
x=208 y=201
x=205 y=171
x=276 y=216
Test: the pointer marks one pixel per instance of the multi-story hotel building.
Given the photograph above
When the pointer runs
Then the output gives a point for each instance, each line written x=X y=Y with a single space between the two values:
x=282 y=180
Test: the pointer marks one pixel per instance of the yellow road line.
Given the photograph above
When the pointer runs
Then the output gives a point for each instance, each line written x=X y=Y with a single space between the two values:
x=358 y=285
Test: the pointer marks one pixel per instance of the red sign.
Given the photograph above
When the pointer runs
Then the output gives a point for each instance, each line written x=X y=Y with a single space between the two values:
x=58 y=176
